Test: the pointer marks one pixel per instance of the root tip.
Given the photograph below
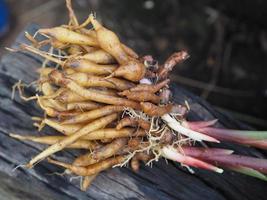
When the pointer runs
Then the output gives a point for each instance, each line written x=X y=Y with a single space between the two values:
x=29 y=166
x=219 y=170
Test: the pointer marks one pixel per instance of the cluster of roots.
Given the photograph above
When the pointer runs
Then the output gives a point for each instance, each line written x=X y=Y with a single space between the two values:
x=101 y=96
x=89 y=77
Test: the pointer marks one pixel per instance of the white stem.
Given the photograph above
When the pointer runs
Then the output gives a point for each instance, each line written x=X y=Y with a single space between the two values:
x=145 y=81
x=175 y=125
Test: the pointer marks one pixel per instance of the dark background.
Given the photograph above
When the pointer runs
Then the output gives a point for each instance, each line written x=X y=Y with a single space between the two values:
x=227 y=41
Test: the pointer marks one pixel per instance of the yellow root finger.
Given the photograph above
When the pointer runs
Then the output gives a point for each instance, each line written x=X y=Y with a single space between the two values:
x=97 y=124
x=91 y=169
x=101 y=153
x=87 y=180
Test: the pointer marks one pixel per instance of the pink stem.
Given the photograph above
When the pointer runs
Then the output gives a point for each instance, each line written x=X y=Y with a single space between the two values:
x=201 y=151
x=237 y=160
x=233 y=136
x=171 y=153
x=262 y=144
x=200 y=124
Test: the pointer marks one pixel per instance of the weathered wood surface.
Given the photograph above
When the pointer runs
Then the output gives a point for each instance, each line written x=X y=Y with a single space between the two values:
x=164 y=181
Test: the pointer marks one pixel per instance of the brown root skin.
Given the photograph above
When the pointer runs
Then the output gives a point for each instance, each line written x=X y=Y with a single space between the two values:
x=143 y=156
x=75 y=50
x=127 y=121
x=46 y=105
x=34 y=42
x=41 y=53
x=134 y=142
x=141 y=96
x=52 y=95
x=95 y=125
x=139 y=133
x=83 y=106
x=50 y=112
x=174 y=59
x=135 y=161
x=153 y=110
x=64 y=129
x=130 y=52
x=67 y=114
x=69 y=71
x=106 y=140
x=99 y=56
x=109 y=41
x=79 y=144
x=68 y=96
x=150 y=88
x=87 y=80
x=57 y=105
x=87 y=66
x=87 y=180
x=88 y=32
x=60 y=79
x=144 y=124
x=72 y=16
x=47 y=88
x=167 y=138
x=49 y=108
x=101 y=153
x=93 y=114
x=112 y=133
x=110 y=92
x=132 y=70
x=45 y=71
x=91 y=169
x=65 y=35
x=135 y=165
x=89 y=49
x=57 y=44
